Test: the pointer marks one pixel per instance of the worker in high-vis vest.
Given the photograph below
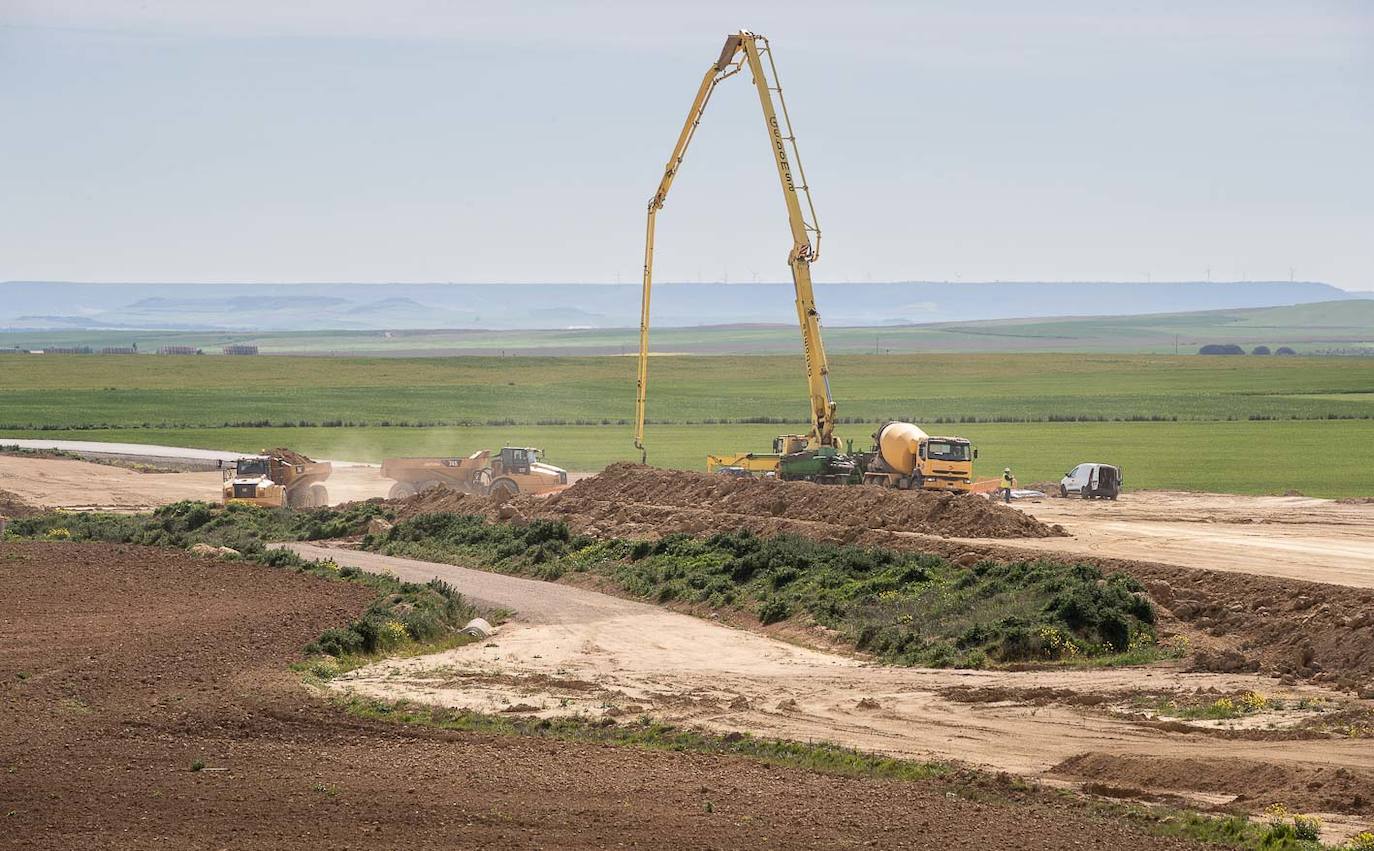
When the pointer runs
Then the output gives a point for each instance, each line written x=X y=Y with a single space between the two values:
x=1008 y=482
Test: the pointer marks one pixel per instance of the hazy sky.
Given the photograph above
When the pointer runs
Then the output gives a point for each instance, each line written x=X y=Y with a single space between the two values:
x=413 y=140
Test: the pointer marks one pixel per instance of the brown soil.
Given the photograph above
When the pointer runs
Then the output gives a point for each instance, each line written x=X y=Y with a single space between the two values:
x=287 y=455
x=1303 y=788
x=622 y=490
x=128 y=665
x=631 y=499
x=11 y=505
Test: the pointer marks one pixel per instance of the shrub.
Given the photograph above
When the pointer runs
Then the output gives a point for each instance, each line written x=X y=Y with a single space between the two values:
x=1307 y=828
x=1221 y=349
x=774 y=609
x=906 y=608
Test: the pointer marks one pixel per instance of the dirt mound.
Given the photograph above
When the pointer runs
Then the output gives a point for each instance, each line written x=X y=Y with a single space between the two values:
x=638 y=495
x=12 y=506
x=442 y=501
x=1298 y=786
x=288 y=455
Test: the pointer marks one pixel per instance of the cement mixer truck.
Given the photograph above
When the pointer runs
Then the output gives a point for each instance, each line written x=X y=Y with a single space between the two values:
x=905 y=457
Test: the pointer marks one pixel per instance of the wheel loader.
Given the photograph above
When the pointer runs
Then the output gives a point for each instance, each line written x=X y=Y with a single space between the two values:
x=276 y=479
x=515 y=469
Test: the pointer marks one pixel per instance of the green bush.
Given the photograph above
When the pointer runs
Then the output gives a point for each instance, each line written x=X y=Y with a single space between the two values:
x=906 y=608
x=245 y=528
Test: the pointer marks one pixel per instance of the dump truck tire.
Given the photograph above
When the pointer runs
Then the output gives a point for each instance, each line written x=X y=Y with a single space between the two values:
x=504 y=488
x=319 y=496
x=401 y=490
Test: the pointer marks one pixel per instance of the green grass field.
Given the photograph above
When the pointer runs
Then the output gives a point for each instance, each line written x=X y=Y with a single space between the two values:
x=73 y=391
x=1318 y=458
x=1249 y=425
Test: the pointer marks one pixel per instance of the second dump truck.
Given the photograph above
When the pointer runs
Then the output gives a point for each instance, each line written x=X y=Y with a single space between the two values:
x=513 y=470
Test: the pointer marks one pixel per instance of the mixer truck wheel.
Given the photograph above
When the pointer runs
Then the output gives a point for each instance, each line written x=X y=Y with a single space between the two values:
x=319 y=496
x=401 y=490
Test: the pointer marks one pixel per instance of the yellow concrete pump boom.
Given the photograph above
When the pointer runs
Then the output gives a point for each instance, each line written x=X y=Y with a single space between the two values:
x=740 y=49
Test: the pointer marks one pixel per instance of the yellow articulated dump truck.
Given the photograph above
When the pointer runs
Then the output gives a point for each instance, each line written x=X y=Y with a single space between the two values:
x=905 y=457
x=513 y=470
x=277 y=478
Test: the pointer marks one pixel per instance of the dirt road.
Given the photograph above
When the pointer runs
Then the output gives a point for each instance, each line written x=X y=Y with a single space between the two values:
x=87 y=486
x=573 y=650
x=129 y=666
x=1292 y=537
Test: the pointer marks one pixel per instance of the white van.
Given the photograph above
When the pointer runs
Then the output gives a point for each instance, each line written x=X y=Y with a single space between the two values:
x=1092 y=481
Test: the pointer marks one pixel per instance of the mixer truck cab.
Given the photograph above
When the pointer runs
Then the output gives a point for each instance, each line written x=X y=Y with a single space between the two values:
x=907 y=458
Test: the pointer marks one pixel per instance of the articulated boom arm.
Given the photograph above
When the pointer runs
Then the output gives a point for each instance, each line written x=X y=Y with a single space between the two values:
x=740 y=49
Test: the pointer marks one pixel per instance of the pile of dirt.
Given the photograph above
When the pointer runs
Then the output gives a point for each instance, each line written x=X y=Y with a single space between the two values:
x=1298 y=786
x=442 y=501
x=290 y=456
x=630 y=498
x=1236 y=622
x=12 y=506
x=1297 y=630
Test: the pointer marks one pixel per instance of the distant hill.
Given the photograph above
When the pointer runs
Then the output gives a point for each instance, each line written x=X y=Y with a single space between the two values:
x=1334 y=327
x=359 y=307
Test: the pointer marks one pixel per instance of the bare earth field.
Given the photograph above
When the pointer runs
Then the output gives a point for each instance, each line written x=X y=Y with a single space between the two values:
x=85 y=486
x=1294 y=537
x=121 y=667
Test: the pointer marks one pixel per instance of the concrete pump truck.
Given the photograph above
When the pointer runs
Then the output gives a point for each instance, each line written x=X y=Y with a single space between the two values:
x=818 y=455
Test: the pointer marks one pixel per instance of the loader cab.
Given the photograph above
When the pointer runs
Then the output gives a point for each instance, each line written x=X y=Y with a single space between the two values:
x=518 y=459
x=787 y=444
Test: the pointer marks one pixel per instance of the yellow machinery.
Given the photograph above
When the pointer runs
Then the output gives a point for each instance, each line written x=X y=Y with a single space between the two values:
x=513 y=470
x=275 y=480
x=903 y=455
x=906 y=457
x=814 y=455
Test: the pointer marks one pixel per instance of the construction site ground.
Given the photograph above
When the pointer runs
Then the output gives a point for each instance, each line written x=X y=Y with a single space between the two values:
x=1295 y=537
x=571 y=650
x=149 y=705
x=1287 y=616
